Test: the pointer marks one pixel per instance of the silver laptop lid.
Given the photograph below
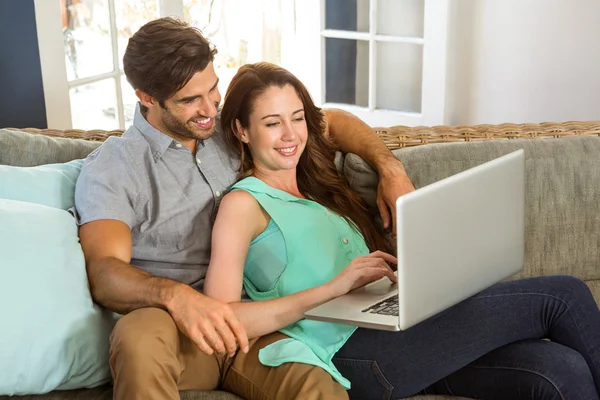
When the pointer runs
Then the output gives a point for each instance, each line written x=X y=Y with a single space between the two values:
x=459 y=236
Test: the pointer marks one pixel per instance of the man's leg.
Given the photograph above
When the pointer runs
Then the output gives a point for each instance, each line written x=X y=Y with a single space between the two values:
x=249 y=379
x=151 y=359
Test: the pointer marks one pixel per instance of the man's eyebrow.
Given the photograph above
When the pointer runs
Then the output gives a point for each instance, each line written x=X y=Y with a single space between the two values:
x=215 y=85
x=194 y=97
x=188 y=98
x=277 y=115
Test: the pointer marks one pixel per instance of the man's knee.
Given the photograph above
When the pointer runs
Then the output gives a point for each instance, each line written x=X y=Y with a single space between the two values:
x=141 y=333
x=144 y=356
x=287 y=381
x=314 y=383
x=249 y=379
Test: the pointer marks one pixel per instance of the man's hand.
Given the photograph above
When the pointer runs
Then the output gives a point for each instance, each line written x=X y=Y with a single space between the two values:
x=209 y=323
x=393 y=183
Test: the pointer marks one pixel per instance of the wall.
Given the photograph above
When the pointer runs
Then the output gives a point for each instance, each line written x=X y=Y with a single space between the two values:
x=21 y=92
x=523 y=61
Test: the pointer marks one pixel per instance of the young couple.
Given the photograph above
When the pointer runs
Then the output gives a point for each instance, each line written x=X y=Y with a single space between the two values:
x=191 y=205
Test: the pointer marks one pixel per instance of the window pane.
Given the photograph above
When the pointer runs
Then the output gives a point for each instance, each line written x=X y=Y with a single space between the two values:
x=129 y=101
x=347 y=15
x=400 y=18
x=399 y=76
x=86 y=34
x=347 y=71
x=242 y=31
x=202 y=13
x=131 y=15
x=93 y=106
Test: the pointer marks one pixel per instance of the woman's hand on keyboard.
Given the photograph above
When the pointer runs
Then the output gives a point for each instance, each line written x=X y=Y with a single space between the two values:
x=363 y=270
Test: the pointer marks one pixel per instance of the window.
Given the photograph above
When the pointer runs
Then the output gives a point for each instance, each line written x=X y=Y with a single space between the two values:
x=384 y=60
x=243 y=31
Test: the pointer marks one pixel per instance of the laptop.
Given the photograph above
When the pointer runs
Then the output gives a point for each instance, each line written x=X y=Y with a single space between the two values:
x=456 y=237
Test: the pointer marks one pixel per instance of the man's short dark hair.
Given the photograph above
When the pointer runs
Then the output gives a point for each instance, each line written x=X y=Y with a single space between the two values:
x=163 y=55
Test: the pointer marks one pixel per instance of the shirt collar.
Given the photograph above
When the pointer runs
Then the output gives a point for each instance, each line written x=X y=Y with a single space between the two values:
x=253 y=184
x=159 y=142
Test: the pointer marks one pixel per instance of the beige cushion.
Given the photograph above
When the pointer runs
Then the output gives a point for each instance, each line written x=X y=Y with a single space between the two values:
x=562 y=206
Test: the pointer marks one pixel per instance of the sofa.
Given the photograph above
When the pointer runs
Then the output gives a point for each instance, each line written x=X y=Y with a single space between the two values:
x=562 y=191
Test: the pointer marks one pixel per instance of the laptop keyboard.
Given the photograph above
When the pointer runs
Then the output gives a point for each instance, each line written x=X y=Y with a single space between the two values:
x=387 y=306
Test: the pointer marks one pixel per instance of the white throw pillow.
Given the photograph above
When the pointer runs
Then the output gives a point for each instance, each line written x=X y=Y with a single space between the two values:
x=52 y=335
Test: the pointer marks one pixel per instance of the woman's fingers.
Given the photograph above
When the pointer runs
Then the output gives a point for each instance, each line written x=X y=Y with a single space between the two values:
x=383 y=255
x=371 y=271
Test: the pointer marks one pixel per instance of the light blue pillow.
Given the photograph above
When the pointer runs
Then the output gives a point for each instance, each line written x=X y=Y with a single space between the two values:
x=52 y=335
x=51 y=185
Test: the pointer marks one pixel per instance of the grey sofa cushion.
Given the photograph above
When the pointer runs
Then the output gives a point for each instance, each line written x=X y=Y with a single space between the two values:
x=562 y=195
x=23 y=149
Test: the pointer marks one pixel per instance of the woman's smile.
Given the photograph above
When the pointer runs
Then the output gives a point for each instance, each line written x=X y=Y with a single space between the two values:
x=287 y=151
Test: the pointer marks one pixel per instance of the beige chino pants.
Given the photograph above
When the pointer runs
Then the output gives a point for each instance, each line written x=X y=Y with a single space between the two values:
x=151 y=359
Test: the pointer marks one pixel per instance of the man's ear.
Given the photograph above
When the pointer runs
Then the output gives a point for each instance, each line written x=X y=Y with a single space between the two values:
x=146 y=99
x=241 y=133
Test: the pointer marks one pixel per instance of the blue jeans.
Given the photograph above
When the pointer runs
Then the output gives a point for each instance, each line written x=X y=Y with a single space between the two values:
x=489 y=346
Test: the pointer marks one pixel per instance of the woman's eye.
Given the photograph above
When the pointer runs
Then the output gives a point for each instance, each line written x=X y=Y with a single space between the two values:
x=299 y=119
x=271 y=124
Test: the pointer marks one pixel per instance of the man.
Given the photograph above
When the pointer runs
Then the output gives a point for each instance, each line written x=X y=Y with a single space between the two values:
x=146 y=204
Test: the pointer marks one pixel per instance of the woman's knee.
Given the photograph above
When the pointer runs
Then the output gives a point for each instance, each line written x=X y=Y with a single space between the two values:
x=566 y=287
x=567 y=377
x=528 y=369
x=566 y=282
x=553 y=371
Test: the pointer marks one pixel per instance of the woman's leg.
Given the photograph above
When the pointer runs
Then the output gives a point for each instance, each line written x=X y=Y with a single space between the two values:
x=560 y=308
x=524 y=370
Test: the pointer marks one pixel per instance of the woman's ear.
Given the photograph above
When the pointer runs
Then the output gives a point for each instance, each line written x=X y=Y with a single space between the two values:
x=241 y=132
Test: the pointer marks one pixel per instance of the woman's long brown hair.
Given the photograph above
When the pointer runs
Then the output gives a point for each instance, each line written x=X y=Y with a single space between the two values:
x=318 y=178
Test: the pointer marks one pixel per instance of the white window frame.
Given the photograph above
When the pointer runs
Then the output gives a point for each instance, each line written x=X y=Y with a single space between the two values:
x=307 y=60
x=53 y=66
x=312 y=35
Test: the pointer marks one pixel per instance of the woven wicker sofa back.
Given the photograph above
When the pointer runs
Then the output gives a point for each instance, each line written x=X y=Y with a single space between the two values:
x=403 y=136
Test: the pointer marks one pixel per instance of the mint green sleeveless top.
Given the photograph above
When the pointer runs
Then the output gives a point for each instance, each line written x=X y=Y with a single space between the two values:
x=304 y=245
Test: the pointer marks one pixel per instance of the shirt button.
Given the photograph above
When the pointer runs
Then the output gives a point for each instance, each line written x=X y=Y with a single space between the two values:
x=198 y=161
x=328 y=214
x=178 y=145
x=345 y=240
x=218 y=194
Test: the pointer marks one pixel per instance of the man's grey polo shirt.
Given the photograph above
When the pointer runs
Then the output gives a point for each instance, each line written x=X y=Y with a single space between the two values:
x=166 y=195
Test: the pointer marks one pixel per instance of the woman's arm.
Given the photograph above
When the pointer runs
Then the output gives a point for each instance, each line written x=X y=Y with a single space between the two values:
x=239 y=220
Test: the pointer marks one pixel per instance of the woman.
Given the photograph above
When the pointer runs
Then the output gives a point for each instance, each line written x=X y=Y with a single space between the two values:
x=307 y=238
